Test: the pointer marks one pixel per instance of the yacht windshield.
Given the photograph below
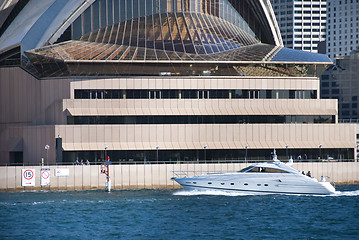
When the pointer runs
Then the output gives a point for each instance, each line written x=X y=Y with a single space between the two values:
x=246 y=169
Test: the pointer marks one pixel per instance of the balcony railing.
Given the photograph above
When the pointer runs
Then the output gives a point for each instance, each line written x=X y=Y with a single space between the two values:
x=216 y=161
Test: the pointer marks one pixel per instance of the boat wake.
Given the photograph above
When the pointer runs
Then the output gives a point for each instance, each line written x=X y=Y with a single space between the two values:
x=346 y=193
x=234 y=194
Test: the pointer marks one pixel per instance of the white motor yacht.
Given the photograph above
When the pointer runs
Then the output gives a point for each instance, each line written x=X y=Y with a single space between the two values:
x=262 y=178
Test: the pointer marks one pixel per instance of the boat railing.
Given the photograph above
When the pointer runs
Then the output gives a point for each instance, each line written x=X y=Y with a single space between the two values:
x=193 y=173
x=325 y=179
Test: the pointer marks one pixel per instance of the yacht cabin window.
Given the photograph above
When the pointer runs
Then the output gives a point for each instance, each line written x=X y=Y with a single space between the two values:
x=263 y=170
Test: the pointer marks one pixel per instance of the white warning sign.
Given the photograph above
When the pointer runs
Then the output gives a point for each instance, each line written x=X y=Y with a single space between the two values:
x=62 y=172
x=45 y=177
x=28 y=177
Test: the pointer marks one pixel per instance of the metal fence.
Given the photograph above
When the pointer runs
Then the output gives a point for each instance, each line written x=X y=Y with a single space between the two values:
x=349 y=120
x=217 y=161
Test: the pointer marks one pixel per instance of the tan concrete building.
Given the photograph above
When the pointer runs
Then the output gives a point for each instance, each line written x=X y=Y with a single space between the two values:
x=191 y=81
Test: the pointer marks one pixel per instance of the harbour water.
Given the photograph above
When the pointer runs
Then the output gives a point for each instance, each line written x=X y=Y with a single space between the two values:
x=176 y=214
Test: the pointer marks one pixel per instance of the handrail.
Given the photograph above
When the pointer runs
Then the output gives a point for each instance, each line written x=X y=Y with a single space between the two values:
x=195 y=173
x=348 y=120
x=148 y=162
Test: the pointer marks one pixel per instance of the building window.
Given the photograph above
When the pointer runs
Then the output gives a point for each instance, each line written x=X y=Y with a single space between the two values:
x=192 y=94
x=200 y=119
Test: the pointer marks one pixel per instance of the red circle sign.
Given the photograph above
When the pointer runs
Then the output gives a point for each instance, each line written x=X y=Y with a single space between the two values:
x=45 y=174
x=28 y=174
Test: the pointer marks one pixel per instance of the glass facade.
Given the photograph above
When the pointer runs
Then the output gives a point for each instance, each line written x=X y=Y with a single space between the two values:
x=205 y=65
x=181 y=25
x=287 y=54
x=193 y=94
x=172 y=37
x=211 y=155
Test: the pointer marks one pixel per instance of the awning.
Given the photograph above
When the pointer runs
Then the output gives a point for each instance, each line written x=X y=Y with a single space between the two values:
x=252 y=145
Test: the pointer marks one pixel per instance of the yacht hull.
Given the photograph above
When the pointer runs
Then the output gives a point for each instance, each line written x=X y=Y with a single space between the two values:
x=252 y=184
x=261 y=178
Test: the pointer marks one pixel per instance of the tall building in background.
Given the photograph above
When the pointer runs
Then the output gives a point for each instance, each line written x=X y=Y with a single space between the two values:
x=302 y=22
x=161 y=80
x=342 y=27
x=341 y=81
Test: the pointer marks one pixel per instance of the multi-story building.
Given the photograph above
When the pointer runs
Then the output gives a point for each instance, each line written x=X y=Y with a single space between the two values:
x=302 y=22
x=342 y=27
x=341 y=81
x=159 y=80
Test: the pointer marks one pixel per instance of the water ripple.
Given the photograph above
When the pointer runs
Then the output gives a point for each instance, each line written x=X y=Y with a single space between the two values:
x=164 y=214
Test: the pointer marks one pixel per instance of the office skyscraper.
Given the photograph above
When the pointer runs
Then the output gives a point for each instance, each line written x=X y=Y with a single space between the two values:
x=302 y=23
x=342 y=27
x=341 y=80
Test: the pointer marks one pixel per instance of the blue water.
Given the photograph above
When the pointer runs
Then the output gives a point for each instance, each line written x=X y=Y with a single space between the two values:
x=165 y=214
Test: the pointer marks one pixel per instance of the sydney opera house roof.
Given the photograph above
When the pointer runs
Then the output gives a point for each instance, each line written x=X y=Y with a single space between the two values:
x=120 y=37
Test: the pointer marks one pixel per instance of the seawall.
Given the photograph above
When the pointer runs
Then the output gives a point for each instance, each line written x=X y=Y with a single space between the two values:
x=151 y=176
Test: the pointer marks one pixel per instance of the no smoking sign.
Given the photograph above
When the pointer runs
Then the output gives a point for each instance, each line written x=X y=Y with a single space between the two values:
x=45 y=177
x=45 y=174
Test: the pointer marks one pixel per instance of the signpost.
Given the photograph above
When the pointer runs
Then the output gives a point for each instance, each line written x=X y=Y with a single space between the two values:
x=28 y=177
x=45 y=177
x=105 y=169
